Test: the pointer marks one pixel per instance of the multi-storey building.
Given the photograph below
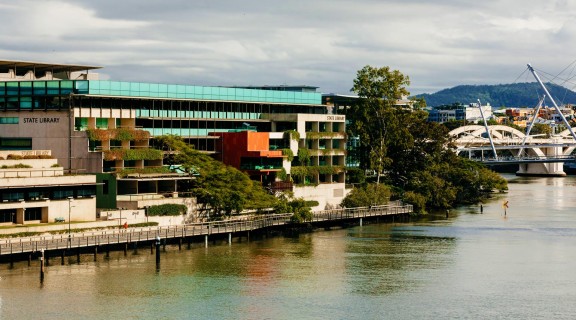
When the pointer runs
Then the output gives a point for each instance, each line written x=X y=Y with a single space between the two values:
x=108 y=128
x=34 y=189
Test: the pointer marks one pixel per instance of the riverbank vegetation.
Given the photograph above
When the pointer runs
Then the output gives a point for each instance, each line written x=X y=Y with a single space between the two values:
x=404 y=151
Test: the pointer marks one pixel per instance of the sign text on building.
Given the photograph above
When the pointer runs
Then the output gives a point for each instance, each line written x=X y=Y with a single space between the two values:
x=41 y=120
x=334 y=117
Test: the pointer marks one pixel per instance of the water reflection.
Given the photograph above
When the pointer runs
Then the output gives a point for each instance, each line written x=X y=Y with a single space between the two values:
x=384 y=259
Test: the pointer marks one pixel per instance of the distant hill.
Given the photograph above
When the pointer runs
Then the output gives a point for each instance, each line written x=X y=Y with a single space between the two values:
x=502 y=95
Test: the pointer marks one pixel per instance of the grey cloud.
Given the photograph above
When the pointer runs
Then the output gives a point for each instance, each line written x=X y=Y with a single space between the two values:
x=322 y=43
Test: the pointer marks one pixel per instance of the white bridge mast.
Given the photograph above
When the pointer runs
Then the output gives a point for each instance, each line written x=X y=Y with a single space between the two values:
x=552 y=99
x=487 y=130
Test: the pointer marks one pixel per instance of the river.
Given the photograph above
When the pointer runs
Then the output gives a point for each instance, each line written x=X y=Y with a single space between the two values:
x=471 y=265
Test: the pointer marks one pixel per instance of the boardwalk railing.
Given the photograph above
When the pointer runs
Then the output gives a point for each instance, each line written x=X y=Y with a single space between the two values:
x=134 y=235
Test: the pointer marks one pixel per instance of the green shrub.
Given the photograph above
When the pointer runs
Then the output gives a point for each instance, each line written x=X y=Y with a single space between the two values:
x=288 y=153
x=292 y=135
x=14 y=157
x=132 y=154
x=417 y=200
x=168 y=209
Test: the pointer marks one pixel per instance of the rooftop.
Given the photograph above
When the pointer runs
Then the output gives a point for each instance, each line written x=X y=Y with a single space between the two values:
x=24 y=66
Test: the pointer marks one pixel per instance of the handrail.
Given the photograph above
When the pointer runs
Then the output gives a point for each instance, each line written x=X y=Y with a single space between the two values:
x=117 y=236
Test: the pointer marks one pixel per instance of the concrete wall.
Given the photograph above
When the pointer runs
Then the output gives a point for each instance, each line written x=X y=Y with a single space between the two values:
x=329 y=193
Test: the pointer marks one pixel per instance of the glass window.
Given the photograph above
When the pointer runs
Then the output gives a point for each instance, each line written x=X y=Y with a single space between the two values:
x=7 y=215
x=12 y=88
x=63 y=194
x=102 y=123
x=32 y=214
x=81 y=86
x=39 y=87
x=9 y=120
x=26 y=88
x=26 y=102
x=80 y=124
x=15 y=143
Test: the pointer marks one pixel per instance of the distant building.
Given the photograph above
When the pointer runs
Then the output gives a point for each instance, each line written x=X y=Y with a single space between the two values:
x=469 y=113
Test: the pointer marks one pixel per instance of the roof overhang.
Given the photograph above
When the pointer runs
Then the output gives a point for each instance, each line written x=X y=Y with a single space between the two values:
x=6 y=65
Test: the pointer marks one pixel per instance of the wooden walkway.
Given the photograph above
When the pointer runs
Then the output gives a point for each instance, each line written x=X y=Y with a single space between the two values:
x=30 y=245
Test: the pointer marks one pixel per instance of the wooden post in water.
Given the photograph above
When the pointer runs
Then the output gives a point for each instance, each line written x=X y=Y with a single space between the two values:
x=126 y=249
x=229 y=238
x=95 y=253
x=41 y=265
x=62 y=257
x=29 y=259
x=360 y=221
x=189 y=245
x=206 y=241
x=152 y=248
x=180 y=244
x=157 y=252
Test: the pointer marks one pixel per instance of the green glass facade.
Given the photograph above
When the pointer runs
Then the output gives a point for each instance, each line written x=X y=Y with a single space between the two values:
x=52 y=94
x=174 y=91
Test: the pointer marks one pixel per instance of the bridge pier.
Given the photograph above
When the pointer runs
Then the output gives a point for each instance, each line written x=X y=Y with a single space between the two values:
x=555 y=169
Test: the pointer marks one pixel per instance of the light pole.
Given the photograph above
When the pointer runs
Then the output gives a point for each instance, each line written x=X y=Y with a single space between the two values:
x=69 y=210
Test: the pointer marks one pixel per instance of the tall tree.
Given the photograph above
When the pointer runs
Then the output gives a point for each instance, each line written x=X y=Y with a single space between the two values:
x=372 y=118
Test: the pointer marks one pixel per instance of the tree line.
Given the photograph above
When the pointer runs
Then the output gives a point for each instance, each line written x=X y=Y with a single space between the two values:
x=401 y=156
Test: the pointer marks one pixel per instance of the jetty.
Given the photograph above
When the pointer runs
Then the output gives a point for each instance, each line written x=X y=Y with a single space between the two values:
x=18 y=249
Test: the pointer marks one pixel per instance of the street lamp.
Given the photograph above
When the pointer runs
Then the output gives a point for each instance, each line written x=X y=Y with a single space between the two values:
x=69 y=210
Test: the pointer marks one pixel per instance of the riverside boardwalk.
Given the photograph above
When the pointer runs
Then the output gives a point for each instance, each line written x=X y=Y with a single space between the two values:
x=121 y=239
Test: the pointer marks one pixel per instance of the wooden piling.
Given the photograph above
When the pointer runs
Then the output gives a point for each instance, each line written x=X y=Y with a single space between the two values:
x=42 y=266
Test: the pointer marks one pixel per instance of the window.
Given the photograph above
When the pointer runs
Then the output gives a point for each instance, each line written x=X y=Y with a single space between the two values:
x=15 y=143
x=32 y=214
x=101 y=123
x=80 y=124
x=7 y=215
x=63 y=194
x=9 y=120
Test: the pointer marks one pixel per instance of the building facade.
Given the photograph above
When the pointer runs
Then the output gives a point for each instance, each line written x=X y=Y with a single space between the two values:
x=108 y=127
x=34 y=189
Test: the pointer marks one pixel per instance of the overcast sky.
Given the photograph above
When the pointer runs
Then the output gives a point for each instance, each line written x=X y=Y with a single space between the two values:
x=438 y=44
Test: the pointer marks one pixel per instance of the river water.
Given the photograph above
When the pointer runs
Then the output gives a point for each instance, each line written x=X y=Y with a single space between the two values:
x=471 y=265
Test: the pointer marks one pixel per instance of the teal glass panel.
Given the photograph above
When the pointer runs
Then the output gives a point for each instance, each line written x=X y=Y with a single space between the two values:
x=81 y=87
x=26 y=102
x=26 y=88
x=66 y=87
x=9 y=120
x=125 y=86
x=39 y=87
x=134 y=87
x=2 y=88
x=12 y=88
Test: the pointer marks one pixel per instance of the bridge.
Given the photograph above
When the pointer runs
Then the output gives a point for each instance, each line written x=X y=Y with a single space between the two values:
x=535 y=155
